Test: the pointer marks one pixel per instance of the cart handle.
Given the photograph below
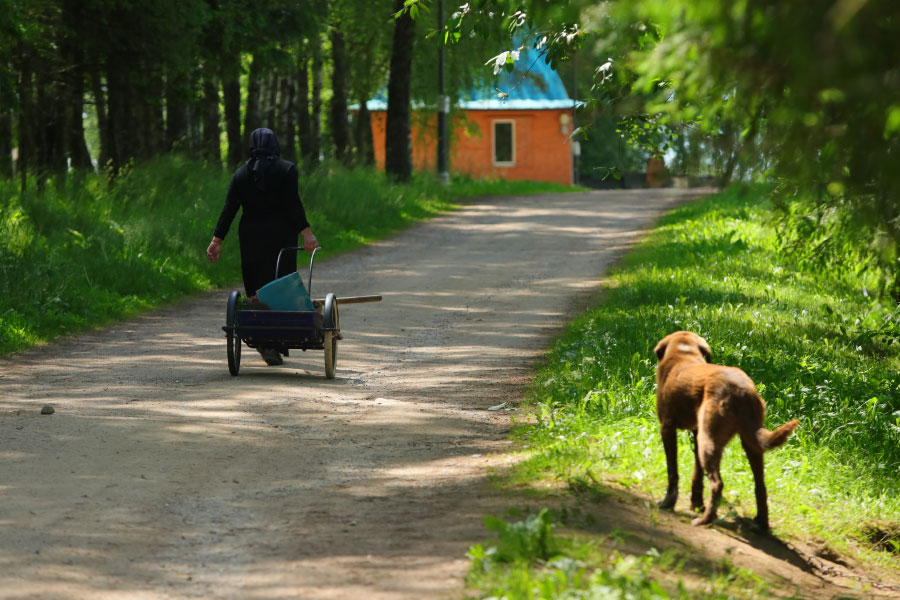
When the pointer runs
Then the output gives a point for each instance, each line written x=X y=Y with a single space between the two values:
x=351 y=299
x=311 y=259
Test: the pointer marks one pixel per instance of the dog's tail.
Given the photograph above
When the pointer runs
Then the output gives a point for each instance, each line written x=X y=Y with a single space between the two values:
x=772 y=439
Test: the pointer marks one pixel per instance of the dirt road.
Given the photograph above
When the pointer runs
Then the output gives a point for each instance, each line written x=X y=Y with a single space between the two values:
x=161 y=476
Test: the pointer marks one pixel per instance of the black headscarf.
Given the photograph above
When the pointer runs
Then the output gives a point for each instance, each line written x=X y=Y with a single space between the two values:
x=264 y=150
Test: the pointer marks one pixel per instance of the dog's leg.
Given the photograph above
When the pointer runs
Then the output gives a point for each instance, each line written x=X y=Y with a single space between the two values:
x=697 y=479
x=670 y=445
x=762 y=505
x=710 y=454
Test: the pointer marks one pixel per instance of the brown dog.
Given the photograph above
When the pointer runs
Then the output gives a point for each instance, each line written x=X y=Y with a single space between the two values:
x=714 y=403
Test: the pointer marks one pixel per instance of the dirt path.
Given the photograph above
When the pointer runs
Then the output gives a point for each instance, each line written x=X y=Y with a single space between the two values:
x=161 y=476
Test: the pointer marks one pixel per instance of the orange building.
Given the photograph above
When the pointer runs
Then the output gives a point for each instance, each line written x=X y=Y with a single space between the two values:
x=522 y=137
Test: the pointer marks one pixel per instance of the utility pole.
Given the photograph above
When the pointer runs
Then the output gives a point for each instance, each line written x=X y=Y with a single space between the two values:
x=576 y=144
x=443 y=104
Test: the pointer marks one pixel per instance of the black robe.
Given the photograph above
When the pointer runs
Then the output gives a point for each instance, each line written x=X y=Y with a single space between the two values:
x=265 y=188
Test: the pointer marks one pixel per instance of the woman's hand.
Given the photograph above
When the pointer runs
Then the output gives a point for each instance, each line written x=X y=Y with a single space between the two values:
x=310 y=242
x=214 y=251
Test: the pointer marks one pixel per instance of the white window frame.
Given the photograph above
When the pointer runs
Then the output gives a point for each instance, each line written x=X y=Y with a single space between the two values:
x=494 y=124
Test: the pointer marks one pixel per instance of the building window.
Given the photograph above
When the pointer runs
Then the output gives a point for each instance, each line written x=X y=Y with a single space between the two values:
x=504 y=143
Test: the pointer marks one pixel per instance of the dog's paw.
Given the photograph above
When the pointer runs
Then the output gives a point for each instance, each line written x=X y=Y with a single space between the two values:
x=703 y=521
x=759 y=526
x=667 y=503
x=751 y=526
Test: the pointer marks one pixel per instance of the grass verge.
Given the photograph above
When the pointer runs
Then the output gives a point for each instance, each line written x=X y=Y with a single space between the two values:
x=530 y=559
x=85 y=252
x=818 y=345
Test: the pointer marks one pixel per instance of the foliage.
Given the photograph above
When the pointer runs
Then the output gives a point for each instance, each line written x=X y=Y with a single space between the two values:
x=605 y=151
x=528 y=540
x=139 y=80
x=803 y=94
x=151 y=75
x=368 y=43
x=818 y=348
x=809 y=85
x=464 y=64
x=82 y=253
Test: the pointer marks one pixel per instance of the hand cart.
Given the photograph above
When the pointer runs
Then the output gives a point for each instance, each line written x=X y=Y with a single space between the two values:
x=285 y=330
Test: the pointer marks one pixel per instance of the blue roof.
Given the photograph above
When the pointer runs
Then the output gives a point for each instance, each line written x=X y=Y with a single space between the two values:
x=532 y=85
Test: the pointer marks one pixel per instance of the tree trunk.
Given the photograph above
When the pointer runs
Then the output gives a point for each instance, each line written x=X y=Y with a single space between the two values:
x=6 y=143
x=73 y=51
x=51 y=131
x=340 y=129
x=315 y=128
x=231 y=91
x=251 y=117
x=121 y=115
x=195 y=113
x=729 y=141
x=150 y=108
x=102 y=120
x=362 y=130
x=397 y=146
x=212 y=146
x=77 y=148
x=303 y=121
x=288 y=115
x=177 y=95
x=25 y=132
x=269 y=95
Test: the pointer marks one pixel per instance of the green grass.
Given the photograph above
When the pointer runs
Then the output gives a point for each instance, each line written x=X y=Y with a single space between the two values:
x=532 y=559
x=83 y=252
x=819 y=346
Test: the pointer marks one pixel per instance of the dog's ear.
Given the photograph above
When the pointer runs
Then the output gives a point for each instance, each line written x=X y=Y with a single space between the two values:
x=660 y=349
x=704 y=349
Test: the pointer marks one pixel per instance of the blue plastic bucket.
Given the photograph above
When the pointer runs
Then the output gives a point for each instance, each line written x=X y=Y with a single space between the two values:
x=286 y=293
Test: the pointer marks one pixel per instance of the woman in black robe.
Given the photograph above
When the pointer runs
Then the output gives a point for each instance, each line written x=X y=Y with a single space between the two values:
x=265 y=187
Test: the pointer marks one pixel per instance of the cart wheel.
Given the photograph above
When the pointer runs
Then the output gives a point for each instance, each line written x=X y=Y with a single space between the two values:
x=333 y=326
x=232 y=339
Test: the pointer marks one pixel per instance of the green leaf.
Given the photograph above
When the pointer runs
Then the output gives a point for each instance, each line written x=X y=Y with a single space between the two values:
x=495 y=524
x=892 y=122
